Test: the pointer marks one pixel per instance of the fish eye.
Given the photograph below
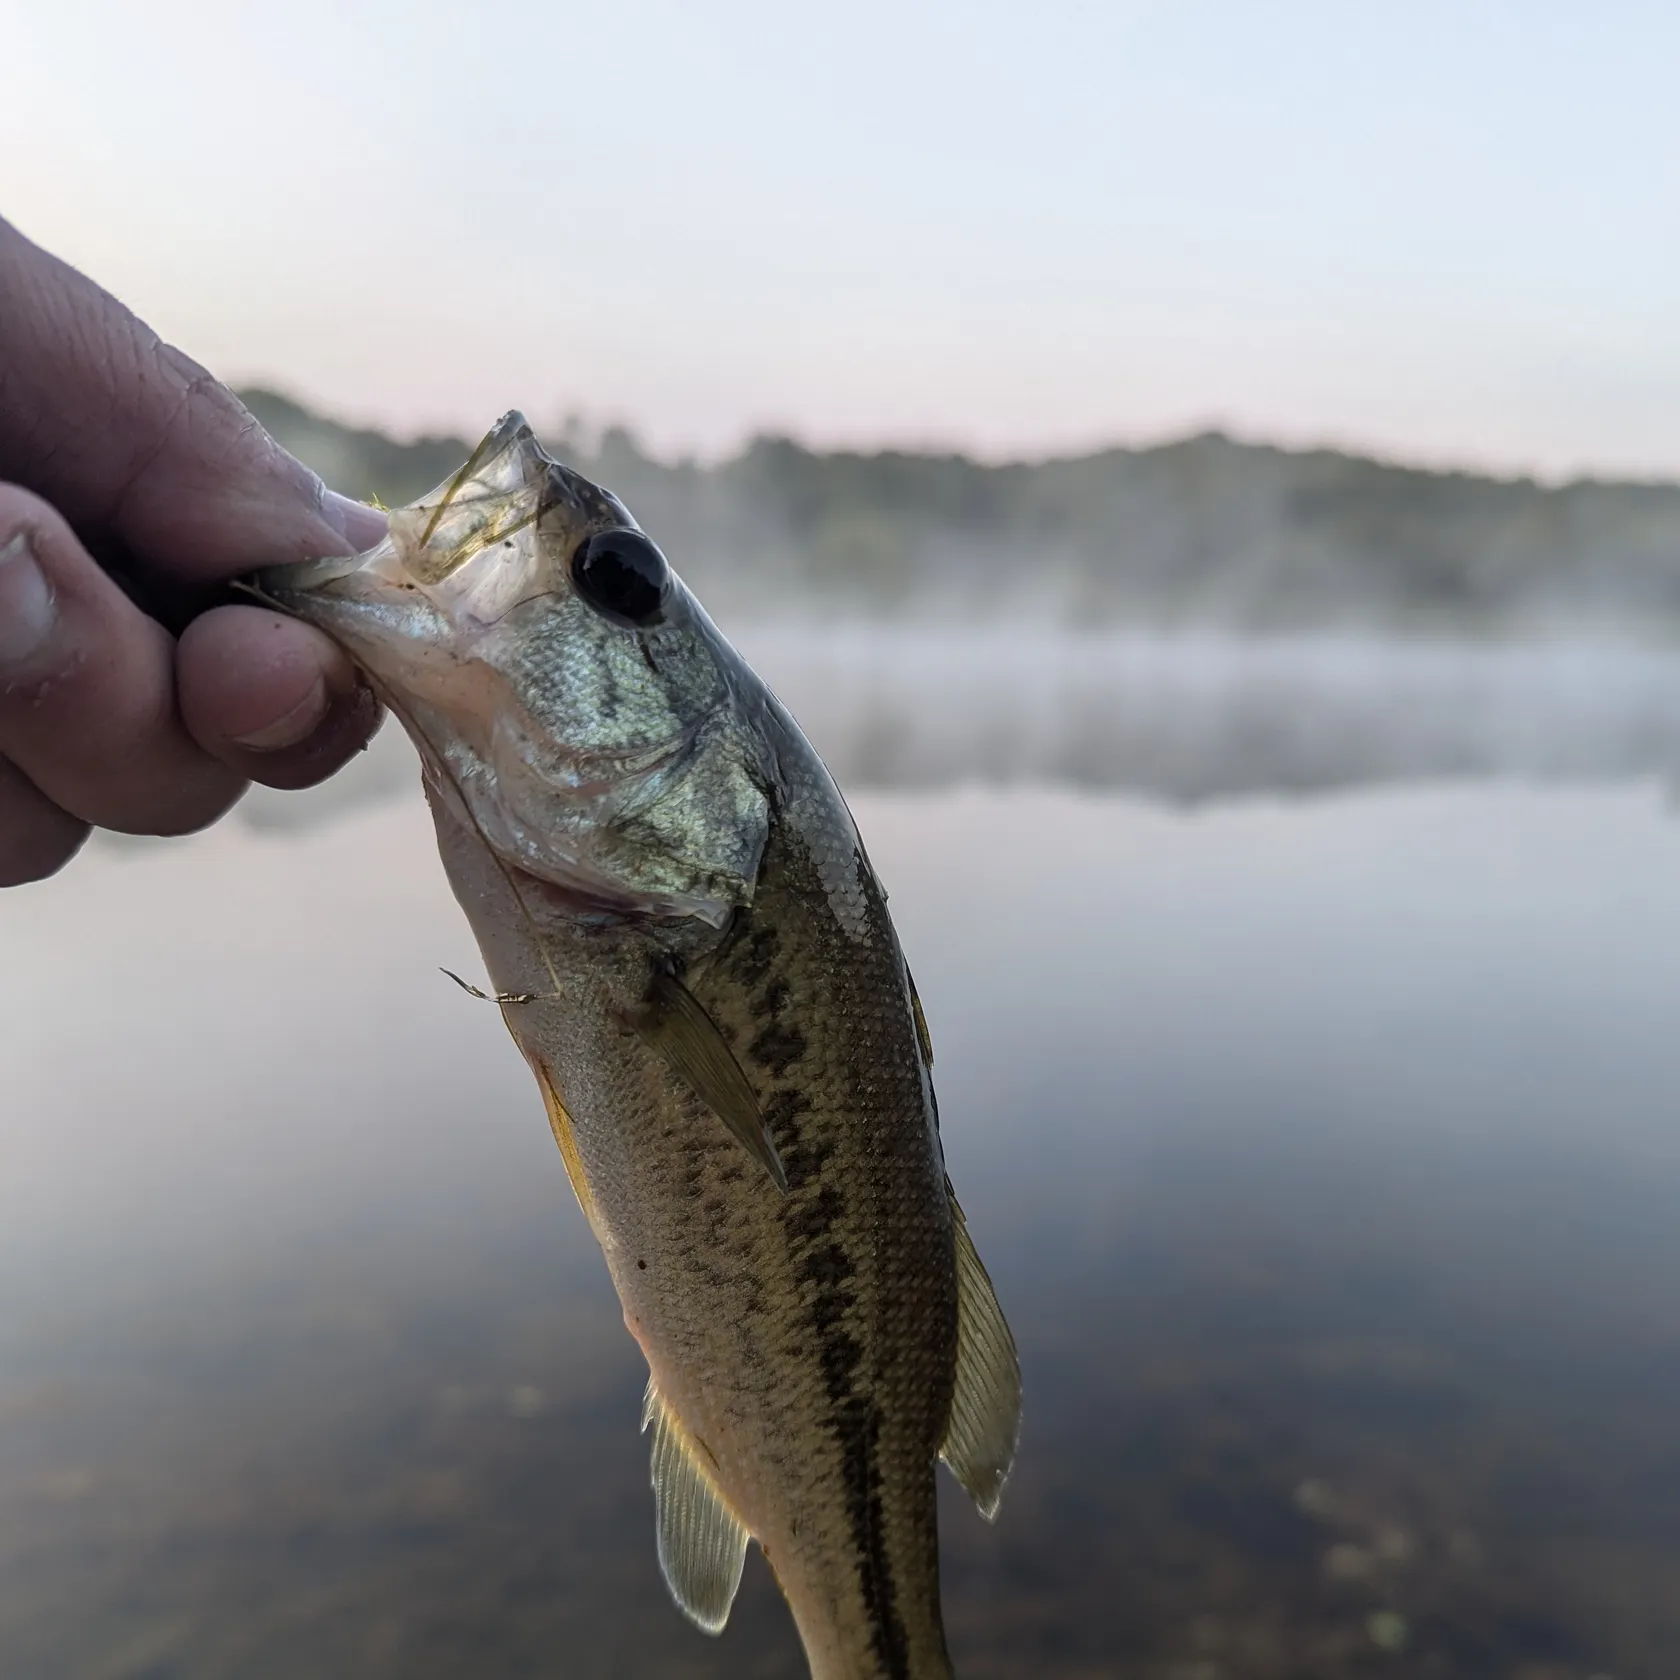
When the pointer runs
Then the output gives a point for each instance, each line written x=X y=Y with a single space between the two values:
x=622 y=576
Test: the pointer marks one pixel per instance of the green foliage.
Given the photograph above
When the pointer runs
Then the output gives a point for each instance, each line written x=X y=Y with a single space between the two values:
x=1201 y=529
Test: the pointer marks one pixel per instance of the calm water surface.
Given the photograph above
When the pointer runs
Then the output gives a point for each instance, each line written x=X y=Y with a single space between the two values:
x=1326 y=1156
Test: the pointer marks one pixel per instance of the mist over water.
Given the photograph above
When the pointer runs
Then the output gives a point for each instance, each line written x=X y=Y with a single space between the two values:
x=1206 y=716
x=1196 y=717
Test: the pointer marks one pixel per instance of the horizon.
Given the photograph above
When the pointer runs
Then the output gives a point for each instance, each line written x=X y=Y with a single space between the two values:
x=594 y=432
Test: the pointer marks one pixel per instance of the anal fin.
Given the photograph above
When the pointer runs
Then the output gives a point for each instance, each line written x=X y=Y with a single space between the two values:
x=702 y=1543
x=985 y=1421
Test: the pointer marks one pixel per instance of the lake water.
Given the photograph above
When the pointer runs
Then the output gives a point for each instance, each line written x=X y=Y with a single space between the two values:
x=1326 y=1155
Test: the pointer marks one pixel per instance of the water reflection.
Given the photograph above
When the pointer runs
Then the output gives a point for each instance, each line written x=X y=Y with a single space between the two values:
x=1324 y=1156
x=1195 y=718
x=1207 y=716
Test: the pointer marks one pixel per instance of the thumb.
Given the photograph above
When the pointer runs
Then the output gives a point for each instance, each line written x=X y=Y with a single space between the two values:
x=127 y=436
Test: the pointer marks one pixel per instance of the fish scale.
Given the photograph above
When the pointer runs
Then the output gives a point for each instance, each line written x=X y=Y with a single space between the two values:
x=807 y=1340
x=695 y=957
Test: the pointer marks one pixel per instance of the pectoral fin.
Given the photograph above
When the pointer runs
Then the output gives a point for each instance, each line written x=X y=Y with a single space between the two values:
x=678 y=1027
x=985 y=1418
x=702 y=1543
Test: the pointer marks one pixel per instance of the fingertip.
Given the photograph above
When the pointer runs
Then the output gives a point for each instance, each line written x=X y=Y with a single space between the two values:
x=272 y=698
x=243 y=672
x=361 y=526
x=351 y=721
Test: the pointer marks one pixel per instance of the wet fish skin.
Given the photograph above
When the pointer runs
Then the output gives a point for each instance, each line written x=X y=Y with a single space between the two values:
x=803 y=1342
x=808 y=1340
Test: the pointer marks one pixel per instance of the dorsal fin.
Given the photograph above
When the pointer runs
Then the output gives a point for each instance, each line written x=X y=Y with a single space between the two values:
x=702 y=1543
x=676 y=1025
x=985 y=1418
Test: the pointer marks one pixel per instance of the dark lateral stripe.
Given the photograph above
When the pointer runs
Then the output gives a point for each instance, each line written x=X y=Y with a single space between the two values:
x=854 y=1419
x=858 y=1429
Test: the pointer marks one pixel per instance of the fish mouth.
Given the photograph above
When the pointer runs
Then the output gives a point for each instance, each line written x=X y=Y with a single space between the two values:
x=503 y=488
x=510 y=504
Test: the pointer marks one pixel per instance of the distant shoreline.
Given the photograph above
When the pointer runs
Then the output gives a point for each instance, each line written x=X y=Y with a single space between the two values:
x=1204 y=531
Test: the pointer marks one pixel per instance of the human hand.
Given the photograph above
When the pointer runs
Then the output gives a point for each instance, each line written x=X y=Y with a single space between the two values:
x=114 y=444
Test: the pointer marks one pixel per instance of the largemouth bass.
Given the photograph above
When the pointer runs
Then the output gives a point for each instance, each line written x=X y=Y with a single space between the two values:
x=692 y=951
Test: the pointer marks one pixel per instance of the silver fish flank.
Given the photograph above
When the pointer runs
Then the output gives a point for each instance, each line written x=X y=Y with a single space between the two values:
x=694 y=955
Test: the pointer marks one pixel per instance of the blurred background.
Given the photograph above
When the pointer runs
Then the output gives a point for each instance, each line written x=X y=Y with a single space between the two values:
x=1207 y=477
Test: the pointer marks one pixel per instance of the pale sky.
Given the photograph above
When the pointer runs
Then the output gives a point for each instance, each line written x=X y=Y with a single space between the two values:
x=1444 y=231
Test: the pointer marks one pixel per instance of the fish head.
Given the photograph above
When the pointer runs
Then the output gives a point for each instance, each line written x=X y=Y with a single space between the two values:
x=570 y=701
